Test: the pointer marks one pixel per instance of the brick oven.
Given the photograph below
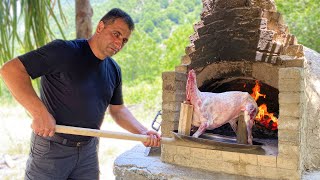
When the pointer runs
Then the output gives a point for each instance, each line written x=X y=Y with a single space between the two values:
x=236 y=43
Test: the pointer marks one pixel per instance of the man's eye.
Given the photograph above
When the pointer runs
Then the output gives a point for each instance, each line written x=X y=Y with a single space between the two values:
x=116 y=34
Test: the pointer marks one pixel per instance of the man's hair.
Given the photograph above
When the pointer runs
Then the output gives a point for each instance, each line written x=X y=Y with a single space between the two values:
x=116 y=13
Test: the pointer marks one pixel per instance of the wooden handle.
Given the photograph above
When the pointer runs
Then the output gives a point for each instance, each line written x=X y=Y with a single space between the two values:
x=106 y=134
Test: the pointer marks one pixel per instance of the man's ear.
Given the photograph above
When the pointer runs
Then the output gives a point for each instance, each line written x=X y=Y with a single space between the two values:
x=100 y=26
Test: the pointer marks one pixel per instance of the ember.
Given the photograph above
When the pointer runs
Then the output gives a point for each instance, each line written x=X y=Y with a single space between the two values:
x=263 y=116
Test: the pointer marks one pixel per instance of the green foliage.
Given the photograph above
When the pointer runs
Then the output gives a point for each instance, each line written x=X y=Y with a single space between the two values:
x=164 y=4
x=139 y=57
x=164 y=14
x=303 y=19
x=174 y=15
x=33 y=32
x=144 y=92
x=148 y=26
x=175 y=46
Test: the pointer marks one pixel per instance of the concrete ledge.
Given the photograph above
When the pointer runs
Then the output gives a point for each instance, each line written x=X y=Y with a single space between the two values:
x=134 y=165
x=311 y=175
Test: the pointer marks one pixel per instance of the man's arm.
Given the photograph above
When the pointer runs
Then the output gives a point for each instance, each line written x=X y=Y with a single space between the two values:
x=18 y=82
x=126 y=120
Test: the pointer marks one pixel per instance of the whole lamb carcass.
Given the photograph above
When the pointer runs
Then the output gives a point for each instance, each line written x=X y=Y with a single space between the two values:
x=212 y=110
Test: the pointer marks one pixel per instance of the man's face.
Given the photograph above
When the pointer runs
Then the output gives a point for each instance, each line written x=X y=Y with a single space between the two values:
x=112 y=37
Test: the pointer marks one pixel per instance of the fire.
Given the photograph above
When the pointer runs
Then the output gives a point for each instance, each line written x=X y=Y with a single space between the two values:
x=263 y=116
x=256 y=91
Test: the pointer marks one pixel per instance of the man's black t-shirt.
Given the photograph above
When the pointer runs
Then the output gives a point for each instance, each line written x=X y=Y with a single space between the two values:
x=76 y=86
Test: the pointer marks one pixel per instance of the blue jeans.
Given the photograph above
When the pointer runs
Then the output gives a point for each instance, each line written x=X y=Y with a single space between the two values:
x=52 y=160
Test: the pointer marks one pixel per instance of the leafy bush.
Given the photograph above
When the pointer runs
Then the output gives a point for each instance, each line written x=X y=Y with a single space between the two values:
x=303 y=19
x=143 y=92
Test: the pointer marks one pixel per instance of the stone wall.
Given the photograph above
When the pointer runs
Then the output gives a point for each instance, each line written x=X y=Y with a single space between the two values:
x=173 y=93
x=291 y=105
x=251 y=165
x=311 y=125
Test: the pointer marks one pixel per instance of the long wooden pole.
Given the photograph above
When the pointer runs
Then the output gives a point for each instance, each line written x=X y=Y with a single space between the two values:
x=106 y=134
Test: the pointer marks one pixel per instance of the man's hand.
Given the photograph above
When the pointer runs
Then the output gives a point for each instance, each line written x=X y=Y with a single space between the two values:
x=153 y=140
x=44 y=125
x=125 y=119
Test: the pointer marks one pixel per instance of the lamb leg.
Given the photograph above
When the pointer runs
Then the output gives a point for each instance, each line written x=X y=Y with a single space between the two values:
x=201 y=129
x=233 y=124
x=249 y=124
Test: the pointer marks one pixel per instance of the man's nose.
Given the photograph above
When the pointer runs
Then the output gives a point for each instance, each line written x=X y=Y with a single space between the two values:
x=118 y=44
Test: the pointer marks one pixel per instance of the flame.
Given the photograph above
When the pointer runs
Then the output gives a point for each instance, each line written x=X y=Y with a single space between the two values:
x=263 y=116
x=256 y=91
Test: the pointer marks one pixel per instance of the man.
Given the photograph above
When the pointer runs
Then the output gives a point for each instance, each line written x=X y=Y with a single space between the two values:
x=79 y=80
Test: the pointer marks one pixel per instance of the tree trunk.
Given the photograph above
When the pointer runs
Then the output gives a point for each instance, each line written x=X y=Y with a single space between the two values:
x=84 y=13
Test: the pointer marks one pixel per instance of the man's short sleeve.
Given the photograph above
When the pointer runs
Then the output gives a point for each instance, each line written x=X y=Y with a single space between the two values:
x=117 y=98
x=43 y=60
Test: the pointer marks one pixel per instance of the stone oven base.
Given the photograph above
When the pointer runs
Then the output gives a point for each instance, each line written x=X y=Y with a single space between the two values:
x=263 y=146
x=133 y=164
